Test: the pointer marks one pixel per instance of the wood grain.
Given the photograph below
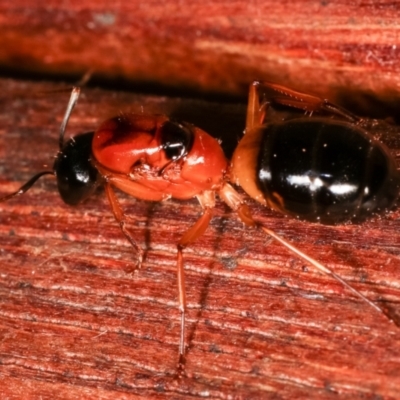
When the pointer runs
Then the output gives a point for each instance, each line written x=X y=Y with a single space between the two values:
x=348 y=51
x=76 y=323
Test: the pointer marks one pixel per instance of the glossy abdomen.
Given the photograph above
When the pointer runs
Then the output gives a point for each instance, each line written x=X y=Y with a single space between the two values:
x=325 y=171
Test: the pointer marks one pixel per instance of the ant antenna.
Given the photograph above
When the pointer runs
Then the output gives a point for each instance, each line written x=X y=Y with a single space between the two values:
x=26 y=186
x=71 y=104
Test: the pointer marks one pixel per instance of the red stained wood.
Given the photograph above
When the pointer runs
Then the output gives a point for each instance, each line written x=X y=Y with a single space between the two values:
x=76 y=323
x=332 y=48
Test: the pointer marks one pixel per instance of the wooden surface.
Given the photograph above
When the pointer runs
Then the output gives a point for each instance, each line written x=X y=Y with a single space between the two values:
x=76 y=323
x=348 y=51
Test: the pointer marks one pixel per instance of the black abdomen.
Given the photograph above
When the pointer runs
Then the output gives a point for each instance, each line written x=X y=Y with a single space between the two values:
x=325 y=171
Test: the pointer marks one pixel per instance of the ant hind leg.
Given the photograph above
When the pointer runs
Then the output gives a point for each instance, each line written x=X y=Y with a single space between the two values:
x=263 y=93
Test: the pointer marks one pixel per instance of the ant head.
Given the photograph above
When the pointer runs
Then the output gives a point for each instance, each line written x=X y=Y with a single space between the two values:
x=76 y=176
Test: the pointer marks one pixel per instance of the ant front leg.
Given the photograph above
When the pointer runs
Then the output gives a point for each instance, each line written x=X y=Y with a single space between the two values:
x=207 y=201
x=262 y=93
x=120 y=217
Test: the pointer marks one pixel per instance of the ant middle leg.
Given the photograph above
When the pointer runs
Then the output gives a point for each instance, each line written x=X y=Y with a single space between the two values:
x=207 y=201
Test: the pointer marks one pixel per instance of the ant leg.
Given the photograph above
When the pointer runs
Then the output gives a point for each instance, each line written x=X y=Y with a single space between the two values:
x=278 y=94
x=120 y=217
x=327 y=271
x=244 y=160
x=235 y=201
x=253 y=107
x=207 y=201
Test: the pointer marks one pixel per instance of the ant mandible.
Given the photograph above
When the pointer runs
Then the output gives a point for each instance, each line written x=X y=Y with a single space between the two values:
x=322 y=169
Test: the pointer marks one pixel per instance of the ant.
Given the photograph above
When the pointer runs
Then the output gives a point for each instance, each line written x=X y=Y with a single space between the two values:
x=300 y=155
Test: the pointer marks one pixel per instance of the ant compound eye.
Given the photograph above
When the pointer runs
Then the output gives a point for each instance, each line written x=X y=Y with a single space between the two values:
x=76 y=176
x=176 y=139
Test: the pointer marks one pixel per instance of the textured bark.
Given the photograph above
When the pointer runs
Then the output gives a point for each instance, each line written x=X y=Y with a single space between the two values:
x=76 y=323
x=345 y=50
